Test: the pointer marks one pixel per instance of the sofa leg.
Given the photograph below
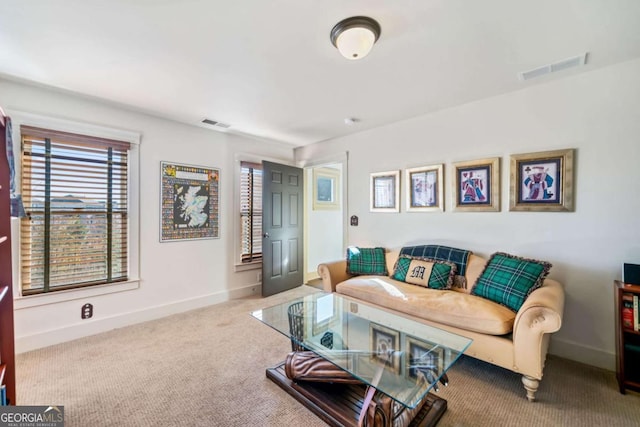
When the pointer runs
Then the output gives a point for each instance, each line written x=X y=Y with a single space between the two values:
x=531 y=385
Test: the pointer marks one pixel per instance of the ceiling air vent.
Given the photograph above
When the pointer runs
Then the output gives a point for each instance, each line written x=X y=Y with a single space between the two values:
x=552 y=68
x=216 y=124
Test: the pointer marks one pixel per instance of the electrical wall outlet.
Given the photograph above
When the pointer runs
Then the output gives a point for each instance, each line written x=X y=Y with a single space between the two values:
x=87 y=311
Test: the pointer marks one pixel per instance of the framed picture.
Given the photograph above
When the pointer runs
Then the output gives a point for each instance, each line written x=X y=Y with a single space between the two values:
x=385 y=192
x=424 y=358
x=189 y=202
x=425 y=189
x=476 y=185
x=385 y=346
x=326 y=189
x=542 y=181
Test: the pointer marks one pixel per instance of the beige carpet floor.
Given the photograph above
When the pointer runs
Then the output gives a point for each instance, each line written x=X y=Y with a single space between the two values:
x=206 y=367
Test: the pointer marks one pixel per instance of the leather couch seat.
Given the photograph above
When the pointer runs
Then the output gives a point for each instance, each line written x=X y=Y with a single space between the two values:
x=447 y=307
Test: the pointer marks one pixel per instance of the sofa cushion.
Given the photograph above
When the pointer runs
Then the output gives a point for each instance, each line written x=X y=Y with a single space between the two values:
x=424 y=272
x=508 y=279
x=366 y=261
x=475 y=266
x=447 y=307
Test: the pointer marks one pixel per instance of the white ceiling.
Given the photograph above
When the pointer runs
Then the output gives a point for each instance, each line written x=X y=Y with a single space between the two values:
x=268 y=68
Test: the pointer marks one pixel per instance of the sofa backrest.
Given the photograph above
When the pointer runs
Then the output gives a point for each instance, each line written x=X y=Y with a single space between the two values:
x=391 y=257
x=475 y=266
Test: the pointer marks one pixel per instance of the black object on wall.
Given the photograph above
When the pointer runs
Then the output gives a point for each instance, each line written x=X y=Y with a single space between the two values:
x=87 y=311
x=631 y=274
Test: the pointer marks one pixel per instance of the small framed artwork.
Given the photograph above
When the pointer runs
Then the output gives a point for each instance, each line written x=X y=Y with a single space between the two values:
x=385 y=343
x=425 y=189
x=424 y=359
x=476 y=185
x=542 y=181
x=326 y=189
x=385 y=192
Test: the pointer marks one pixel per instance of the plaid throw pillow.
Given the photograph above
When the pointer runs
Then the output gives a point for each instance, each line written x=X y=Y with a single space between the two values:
x=424 y=272
x=508 y=280
x=440 y=253
x=401 y=268
x=366 y=261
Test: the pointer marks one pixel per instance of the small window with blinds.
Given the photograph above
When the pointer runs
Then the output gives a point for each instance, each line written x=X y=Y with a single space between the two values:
x=74 y=189
x=251 y=211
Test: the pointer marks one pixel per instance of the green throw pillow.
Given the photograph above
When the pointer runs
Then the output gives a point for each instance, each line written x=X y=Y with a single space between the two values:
x=366 y=261
x=424 y=272
x=508 y=280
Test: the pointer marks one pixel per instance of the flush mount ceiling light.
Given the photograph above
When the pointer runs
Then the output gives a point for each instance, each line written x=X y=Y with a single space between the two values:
x=354 y=37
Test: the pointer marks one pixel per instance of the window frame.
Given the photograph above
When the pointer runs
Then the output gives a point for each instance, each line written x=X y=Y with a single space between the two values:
x=133 y=182
x=237 y=222
x=258 y=258
x=237 y=218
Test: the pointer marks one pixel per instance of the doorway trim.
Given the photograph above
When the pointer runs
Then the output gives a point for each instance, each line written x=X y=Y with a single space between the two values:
x=310 y=164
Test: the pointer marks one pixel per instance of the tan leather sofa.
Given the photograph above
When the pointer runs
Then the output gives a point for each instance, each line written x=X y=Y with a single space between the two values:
x=515 y=341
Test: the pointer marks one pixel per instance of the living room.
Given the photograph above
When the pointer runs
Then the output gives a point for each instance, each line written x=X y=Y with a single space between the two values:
x=592 y=109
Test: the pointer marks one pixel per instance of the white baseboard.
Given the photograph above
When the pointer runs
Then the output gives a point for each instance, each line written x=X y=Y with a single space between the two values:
x=245 y=291
x=312 y=275
x=79 y=330
x=583 y=354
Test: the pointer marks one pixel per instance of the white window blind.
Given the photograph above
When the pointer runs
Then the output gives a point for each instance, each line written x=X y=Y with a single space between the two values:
x=74 y=189
x=251 y=211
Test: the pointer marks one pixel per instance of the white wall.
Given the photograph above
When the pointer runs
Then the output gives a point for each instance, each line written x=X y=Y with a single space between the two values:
x=598 y=114
x=175 y=276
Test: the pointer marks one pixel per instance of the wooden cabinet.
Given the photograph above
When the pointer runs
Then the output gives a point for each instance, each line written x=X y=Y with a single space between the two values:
x=627 y=339
x=7 y=353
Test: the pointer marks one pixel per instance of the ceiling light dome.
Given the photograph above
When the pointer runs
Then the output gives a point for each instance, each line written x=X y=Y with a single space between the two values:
x=354 y=37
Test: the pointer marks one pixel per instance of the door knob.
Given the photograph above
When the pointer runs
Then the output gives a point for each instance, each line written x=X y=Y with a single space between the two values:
x=265 y=235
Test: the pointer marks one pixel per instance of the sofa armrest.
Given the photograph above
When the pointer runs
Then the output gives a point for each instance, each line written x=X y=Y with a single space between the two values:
x=540 y=315
x=333 y=273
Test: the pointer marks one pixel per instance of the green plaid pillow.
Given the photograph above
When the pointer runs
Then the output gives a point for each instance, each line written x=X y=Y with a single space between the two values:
x=366 y=261
x=401 y=268
x=508 y=280
x=424 y=272
x=442 y=275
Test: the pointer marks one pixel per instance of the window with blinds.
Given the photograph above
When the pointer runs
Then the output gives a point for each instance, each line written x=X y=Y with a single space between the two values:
x=251 y=211
x=74 y=189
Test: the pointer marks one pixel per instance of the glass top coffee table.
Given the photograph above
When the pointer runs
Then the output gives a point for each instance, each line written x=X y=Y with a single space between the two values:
x=400 y=357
